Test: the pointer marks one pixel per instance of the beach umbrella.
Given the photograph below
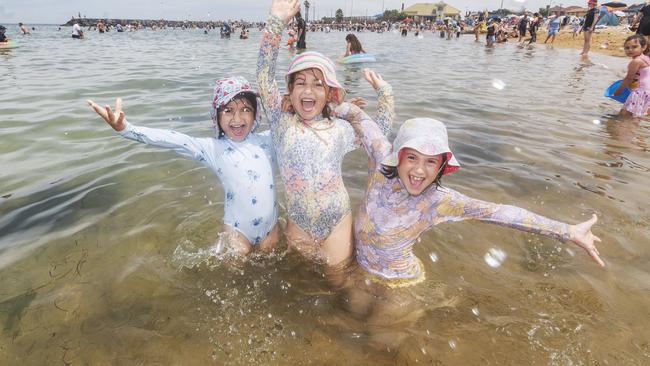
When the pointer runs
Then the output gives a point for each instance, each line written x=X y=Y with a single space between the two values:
x=615 y=4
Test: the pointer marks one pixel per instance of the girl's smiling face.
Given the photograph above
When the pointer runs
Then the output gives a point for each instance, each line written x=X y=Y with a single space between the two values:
x=417 y=171
x=633 y=48
x=308 y=93
x=237 y=118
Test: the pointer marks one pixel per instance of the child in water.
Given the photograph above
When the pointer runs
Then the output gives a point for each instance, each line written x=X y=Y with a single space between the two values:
x=353 y=46
x=3 y=38
x=638 y=103
x=310 y=144
x=242 y=159
x=404 y=199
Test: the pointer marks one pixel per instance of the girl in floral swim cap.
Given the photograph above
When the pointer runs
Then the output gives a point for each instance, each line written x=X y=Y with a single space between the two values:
x=242 y=159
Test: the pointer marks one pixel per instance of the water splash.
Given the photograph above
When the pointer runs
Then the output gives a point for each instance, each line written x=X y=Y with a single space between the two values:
x=186 y=255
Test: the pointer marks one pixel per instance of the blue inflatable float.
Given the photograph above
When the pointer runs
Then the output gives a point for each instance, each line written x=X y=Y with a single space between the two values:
x=621 y=97
x=358 y=58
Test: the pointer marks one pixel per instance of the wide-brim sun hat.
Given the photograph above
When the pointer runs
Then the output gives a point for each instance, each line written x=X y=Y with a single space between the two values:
x=427 y=136
x=227 y=89
x=316 y=60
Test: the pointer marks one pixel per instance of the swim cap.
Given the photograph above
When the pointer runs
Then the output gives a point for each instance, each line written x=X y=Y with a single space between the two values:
x=316 y=60
x=426 y=135
x=227 y=89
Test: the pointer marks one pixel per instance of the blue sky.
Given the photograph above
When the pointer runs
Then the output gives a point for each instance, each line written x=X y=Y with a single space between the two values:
x=60 y=11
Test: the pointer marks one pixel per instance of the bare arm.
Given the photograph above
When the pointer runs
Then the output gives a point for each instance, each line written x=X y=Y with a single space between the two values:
x=632 y=70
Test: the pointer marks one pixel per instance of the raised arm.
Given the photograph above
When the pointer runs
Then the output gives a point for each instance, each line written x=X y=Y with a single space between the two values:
x=185 y=145
x=450 y=205
x=281 y=12
x=385 y=101
x=372 y=137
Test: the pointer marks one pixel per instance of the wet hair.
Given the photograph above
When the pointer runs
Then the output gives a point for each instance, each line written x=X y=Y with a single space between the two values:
x=326 y=112
x=390 y=172
x=250 y=97
x=355 y=45
x=642 y=41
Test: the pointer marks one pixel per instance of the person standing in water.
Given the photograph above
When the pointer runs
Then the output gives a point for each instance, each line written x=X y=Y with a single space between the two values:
x=77 y=33
x=353 y=46
x=523 y=26
x=589 y=26
x=302 y=32
x=24 y=29
x=638 y=70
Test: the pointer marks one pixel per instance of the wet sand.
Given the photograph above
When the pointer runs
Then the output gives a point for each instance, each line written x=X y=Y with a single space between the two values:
x=608 y=41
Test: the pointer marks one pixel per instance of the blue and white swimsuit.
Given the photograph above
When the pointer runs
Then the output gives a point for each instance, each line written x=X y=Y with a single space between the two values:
x=245 y=169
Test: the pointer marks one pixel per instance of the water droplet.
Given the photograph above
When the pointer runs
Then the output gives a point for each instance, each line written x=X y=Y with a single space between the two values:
x=475 y=311
x=270 y=316
x=452 y=344
x=596 y=122
x=498 y=84
x=424 y=352
x=433 y=256
x=517 y=149
x=495 y=257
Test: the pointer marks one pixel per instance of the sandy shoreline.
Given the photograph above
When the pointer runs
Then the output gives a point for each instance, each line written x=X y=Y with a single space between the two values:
x=608 y=41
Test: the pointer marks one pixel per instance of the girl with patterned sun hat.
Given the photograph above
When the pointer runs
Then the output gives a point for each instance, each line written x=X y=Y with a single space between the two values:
x=310 y=144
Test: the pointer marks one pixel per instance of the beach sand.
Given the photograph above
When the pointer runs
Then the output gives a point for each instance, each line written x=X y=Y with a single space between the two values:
x=608 y=41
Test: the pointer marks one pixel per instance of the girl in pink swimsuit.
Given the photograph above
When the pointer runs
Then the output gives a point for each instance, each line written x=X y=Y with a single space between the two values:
x=638 y=102
x=310 y=144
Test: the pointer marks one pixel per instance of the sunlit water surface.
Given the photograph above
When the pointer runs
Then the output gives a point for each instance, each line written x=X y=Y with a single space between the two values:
x=109 y=249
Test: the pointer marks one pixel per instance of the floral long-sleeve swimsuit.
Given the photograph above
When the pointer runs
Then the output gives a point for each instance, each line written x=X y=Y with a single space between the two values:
x=390 y=220
x=245 y=169
x=310 y=156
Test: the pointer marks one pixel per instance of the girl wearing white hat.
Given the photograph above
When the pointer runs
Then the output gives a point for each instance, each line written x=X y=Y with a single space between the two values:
x=404 y=199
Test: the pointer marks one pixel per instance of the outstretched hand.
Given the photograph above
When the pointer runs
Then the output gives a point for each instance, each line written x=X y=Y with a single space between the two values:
x=374 y=79
x=114 y=119
x=581 y=234
x=285 y=9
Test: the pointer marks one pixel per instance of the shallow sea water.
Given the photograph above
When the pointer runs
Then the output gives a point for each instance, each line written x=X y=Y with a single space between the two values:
x=110 y=250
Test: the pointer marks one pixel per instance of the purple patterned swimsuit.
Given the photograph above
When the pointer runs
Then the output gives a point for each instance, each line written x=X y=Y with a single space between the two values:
x=390 y=220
